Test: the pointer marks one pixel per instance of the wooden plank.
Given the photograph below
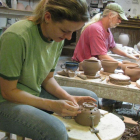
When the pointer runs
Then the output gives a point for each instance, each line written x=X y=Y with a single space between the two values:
x=9 y=13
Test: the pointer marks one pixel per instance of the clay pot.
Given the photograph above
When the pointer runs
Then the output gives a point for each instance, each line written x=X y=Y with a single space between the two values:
x=109 y=65
x=138 y=46
x=91 y=67
x=20 y=6
x=133 y=73
x=124 y=39
x=80 y=66
x=88 y=112
x=127 y=63
x=28 y=8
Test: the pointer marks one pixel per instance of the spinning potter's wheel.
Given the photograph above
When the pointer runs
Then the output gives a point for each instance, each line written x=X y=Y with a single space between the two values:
x=110 y=127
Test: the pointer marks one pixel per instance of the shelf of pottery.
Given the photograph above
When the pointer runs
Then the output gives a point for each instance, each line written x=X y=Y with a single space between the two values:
x=16 y=8
x=13 y=10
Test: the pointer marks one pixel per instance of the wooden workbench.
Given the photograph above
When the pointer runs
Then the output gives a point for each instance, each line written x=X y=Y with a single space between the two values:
x=104 y=89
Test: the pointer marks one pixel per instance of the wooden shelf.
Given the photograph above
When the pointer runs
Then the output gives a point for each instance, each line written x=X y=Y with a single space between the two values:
x=131 y=23
x=12 y=13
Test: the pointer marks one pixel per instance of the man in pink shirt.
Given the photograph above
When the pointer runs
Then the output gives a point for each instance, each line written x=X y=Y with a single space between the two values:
x=94 y=41
x=96 y=38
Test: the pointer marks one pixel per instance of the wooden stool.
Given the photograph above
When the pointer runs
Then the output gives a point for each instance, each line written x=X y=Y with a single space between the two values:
x=8 y=136
x=110 y=127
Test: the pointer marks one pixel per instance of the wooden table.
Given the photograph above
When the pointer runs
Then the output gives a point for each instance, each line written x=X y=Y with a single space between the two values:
x=104 y=89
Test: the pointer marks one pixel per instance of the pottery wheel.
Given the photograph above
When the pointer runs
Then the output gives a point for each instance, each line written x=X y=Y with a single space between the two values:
x=90 y=76
x=119 y=79
x=110 y=127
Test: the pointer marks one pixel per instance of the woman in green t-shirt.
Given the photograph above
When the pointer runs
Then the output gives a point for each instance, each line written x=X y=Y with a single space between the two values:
x=29 y=51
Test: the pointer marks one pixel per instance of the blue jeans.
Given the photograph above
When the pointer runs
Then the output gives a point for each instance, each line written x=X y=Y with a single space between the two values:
x=34 y=123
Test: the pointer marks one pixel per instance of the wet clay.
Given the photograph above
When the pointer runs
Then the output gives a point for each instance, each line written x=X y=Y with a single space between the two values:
x=109 y=65
x=133 y=73
x=91 y=67
x=88 y=111
x=126 y=64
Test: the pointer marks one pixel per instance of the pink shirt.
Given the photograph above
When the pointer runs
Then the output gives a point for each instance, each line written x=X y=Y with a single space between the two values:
x=94 y=41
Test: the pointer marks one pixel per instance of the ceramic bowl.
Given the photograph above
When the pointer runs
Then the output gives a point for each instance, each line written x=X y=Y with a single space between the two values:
x=133 y=73
x=109 y=65
x=73 y=66
x=126 y=64
x=91 y=67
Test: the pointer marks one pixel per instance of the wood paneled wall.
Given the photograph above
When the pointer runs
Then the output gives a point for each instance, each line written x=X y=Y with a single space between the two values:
x=130 y=27
x=134 y=35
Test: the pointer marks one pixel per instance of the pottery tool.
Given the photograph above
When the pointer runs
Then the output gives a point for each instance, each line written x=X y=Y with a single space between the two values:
x=82 y=76
x=68 y=117
x=92 y=129
x=103 y=78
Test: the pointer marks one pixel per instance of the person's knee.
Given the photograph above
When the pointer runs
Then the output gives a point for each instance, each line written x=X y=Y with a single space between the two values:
x=48 y=128
x=56 y=132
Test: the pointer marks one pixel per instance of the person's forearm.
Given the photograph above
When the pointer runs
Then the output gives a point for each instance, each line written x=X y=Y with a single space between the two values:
x=122 y=53
x=22 y=97
x=11 y=93
x=55 y=89
x=101 y=57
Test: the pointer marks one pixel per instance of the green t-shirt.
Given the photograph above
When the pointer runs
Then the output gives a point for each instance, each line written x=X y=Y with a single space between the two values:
x=27 y=56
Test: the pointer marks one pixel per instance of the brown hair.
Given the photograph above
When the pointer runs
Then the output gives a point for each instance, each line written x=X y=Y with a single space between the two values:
x=72 y=10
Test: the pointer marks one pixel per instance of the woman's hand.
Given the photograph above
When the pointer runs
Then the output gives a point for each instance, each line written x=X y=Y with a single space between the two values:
x=69 y=107
x=64 y=108
x=77 y=100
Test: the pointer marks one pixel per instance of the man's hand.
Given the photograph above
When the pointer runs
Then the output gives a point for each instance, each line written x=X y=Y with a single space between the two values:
x=138 y=61
x=137 y=56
